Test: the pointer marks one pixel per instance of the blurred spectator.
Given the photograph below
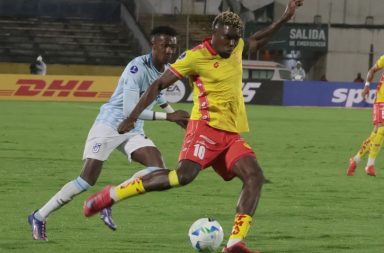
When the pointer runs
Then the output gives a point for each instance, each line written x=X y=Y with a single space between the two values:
x=323 y=78
x=38 y=67
x=358 y=78
x=298 y=73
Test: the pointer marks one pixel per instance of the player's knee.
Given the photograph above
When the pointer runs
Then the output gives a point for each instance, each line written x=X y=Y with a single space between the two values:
x=187 y=171
x=185 y=179
x=255 y=177
x=249 y=171
x=187 y=175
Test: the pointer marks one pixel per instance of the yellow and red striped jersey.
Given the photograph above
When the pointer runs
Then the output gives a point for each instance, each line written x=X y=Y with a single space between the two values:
x=217 y=86
x=380 y=86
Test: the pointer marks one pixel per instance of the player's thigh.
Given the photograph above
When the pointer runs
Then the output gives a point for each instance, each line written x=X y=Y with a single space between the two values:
x=378 y=114
x=101 y=141
x=148 y=156
x=233 y=157
x=187 y=171
x=142 y=149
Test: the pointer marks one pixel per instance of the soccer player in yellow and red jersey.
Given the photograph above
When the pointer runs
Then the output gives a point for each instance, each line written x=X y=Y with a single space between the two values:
x=373 y=143
x=218 y=117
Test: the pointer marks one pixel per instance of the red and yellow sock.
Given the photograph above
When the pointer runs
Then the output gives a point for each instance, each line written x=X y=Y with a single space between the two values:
x=376 y=143
x=366 y=145
x=130 y=189
x=240 y=229
x=173 y=178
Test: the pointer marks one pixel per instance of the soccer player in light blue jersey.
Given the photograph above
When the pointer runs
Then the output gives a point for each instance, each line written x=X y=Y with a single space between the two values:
x=103 y=137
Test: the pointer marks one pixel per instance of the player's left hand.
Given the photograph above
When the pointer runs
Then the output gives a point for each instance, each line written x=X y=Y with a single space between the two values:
x=365 y=92
x=291 y=8
x=180 y=117
x=126 y=125
x=182 y=123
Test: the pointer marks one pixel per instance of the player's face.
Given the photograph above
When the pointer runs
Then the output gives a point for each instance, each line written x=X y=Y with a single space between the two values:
x=224 y=39
x=164 y=48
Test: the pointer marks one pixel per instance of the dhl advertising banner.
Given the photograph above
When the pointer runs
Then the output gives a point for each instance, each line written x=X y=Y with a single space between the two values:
x=57 y=88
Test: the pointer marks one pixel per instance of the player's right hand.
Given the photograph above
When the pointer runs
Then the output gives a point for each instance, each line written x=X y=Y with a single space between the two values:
x=180 y=117
x=365 y=92
x=291 y=8
x=126 y=125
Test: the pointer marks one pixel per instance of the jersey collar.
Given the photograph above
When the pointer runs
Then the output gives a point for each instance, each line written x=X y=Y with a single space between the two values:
x=208 y=45
x=153 y=65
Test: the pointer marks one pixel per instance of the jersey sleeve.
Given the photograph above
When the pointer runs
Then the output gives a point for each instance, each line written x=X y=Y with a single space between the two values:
x=184 y=65
x=132 y=79
x=380 y=62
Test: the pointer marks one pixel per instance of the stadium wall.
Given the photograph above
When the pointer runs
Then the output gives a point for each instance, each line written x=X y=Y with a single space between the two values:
x=349 y=51
x=331 y=11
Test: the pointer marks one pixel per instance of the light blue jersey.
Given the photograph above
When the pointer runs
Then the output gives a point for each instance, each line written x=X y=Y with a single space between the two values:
x=135 y=80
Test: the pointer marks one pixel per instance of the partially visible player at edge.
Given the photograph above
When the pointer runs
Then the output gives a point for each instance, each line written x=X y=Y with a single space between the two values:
x=103 y=137
x=375 y=140
x=218 y=116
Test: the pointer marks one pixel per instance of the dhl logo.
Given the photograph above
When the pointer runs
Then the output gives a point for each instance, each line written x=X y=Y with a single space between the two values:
x=57 y=88
x=60 y=88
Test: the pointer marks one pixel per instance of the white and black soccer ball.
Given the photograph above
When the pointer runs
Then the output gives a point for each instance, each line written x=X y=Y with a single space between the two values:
x=206 y=235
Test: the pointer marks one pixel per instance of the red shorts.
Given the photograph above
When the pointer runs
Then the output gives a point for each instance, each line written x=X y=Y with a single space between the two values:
x=378 y=113
x=209 y=146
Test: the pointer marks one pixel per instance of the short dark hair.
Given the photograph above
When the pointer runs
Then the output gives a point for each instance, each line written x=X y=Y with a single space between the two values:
x=228 y=18
x=163 y=30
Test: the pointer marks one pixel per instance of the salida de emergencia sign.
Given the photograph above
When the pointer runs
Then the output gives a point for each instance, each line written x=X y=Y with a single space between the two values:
x=296 y=36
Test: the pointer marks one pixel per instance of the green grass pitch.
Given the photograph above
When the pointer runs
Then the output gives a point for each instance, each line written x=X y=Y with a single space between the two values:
x=310 y=206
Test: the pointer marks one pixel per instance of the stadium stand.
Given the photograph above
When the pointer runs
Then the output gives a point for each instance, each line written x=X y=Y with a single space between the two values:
x=66 y=41
x=190 y=35
x=81 y=33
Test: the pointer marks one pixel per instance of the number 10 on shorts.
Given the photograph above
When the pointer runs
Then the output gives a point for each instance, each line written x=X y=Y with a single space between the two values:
x=199 y=151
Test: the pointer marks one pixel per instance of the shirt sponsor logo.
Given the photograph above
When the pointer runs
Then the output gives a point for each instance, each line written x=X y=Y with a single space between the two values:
x=134 y=69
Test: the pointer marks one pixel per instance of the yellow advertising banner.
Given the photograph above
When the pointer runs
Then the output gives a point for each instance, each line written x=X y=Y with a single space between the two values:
x=57 y=88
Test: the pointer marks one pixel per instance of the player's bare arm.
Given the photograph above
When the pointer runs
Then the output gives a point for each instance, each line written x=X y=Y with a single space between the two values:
x=166 y=80
x=370 y=75
x=260 y=38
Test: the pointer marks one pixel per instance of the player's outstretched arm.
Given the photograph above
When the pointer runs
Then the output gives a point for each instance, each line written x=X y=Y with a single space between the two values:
x=166 y=80
x=260 y=38
x=370 y=75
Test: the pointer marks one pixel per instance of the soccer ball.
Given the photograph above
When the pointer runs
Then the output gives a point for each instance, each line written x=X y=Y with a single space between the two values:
x=206 y=235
